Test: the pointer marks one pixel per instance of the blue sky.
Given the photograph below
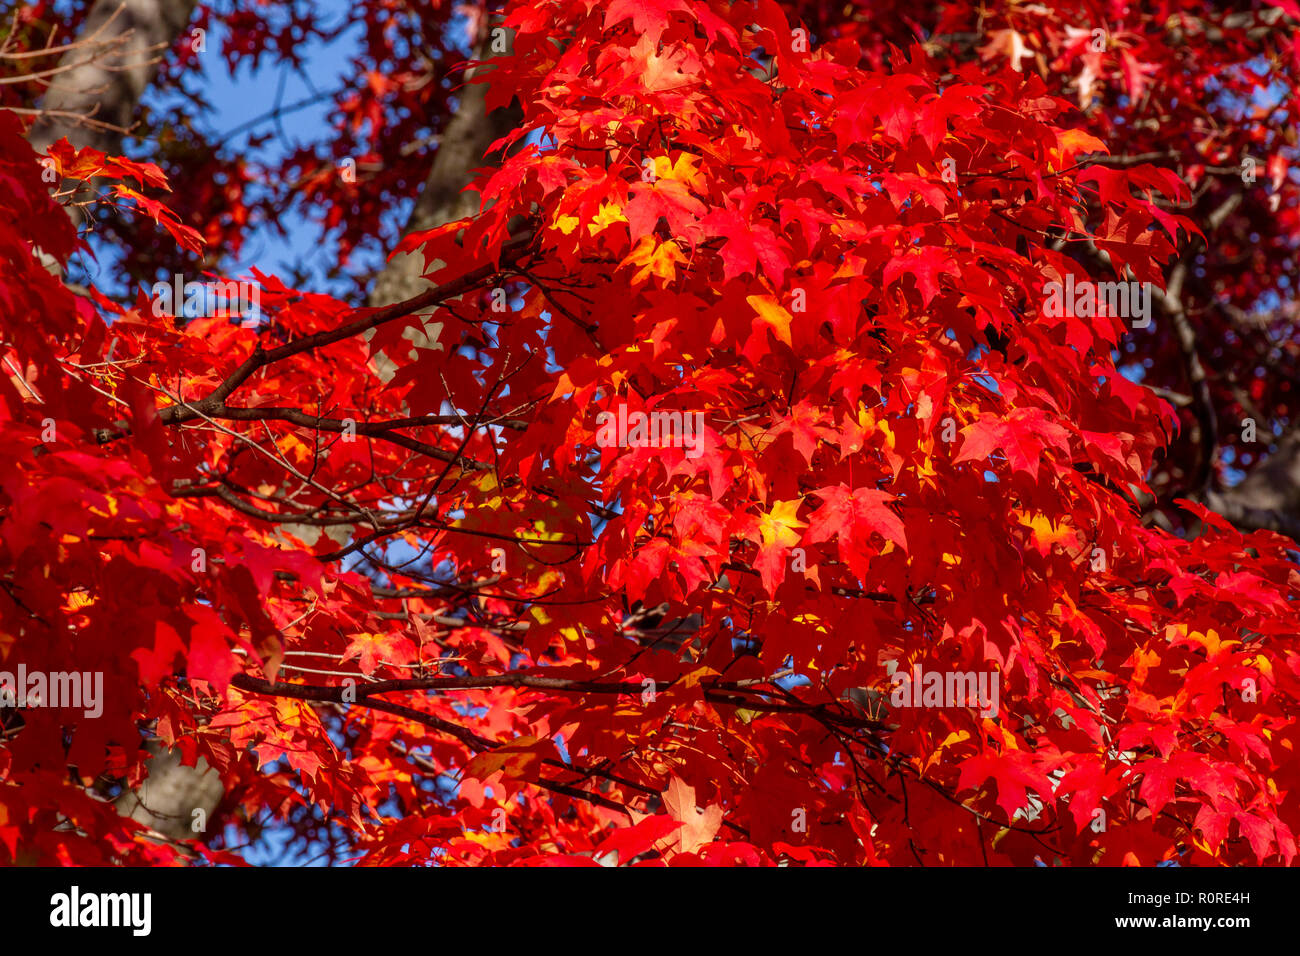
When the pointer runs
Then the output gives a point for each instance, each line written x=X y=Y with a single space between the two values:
x=241 y=98
x=290 y=108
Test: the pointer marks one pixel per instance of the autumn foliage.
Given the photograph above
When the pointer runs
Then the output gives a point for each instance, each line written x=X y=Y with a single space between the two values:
x=375 y=566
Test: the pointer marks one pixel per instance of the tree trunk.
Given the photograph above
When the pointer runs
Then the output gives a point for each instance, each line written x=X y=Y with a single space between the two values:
x=443 y=198
x=167 y=800
x=1269 y=497
x=108 y=88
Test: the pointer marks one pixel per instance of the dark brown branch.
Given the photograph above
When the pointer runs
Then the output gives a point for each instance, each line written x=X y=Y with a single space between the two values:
x=366 y=319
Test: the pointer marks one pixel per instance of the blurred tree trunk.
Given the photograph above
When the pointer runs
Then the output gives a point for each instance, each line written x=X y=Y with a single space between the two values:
x=1269 y=496
x=108 y=88
x=167 y=800
x=443 y=198
x=97 y=90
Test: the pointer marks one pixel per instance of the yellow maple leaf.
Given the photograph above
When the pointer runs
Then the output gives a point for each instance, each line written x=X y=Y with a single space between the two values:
x=296 y=449
x=79 y=599
x=887 y=432
x=655 y=258
x=606 y=216
x=683 y=171
x=1046 y=534
x=772 y=312
x=513 y=759
x=778 y=526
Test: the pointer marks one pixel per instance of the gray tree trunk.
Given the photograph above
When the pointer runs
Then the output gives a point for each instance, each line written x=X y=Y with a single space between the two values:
x=1269 y=496
x=108 y=88
x=175 y=800
x=443 y=197
x=101 y=79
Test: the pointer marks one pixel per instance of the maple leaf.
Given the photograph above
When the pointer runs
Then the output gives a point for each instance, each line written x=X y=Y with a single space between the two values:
x=778 y=526
x=1085 y=786
x=515 y=759
x=772 y=314
x=1014 y=775
x=1071 y=143
x=647 y=73
x=851 y=516
x=1046 y=535
x=805 y=429
x=959 y=100
x=210 y=657
x=685 y=169
x=375 y=649
x=606 y=216
x=627 y=843
x=1022 y=437
x=747 y=244
x=1159 y=778
x=926 y=265
x=655 y=259
x=698 y=825
x=1006 y=42
x=668 y=199
x=778 y=532
x=649 y=17
x=187 y=236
